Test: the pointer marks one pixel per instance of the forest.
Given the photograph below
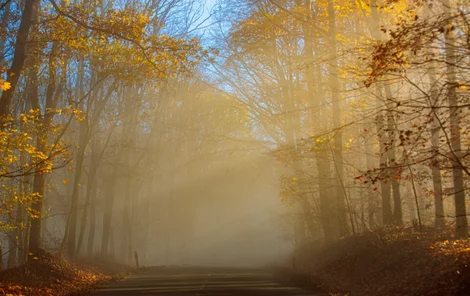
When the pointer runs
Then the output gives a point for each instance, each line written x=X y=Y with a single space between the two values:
x=327 y=141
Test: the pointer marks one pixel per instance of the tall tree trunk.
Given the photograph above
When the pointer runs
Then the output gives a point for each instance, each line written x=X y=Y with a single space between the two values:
x=90 y=195
x=95 y=161
x=71 y=227
x=439 y=220
x=39 y=176
x=5 y=19
x=12 y=245
x=146 y=205
x=315 y=96
x=33 y=239
x=338 y=135
x=392 y=161
x=23 y=236
x=387 y=214
x=454 y=127
x=371 y=202
x=20 y=217
x=19 y=231
x=92 y=228
x=107 y=216
x=306 y=5
x=127 y=227
x=37 y=205
x=27 y=231
x=19 y=56
x=128 y=139
x=327 y=206
x=71 y=231
x=86 y=130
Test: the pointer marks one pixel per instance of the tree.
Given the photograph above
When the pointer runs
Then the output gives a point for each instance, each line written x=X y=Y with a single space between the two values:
x=19 y=57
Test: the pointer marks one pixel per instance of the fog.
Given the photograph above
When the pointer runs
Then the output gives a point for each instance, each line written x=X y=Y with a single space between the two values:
x=230 y=133
x=196 y=189
x=221 y=217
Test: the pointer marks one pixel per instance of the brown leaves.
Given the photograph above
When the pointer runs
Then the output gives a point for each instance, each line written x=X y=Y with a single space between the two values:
x=393 y=261
x=49 y=276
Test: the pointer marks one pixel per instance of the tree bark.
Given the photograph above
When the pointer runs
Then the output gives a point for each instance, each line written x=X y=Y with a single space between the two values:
x=92 y=228
x=392 y=161
x=90 y=196
x=39 y=176
x=371 y=201
x=327 y=204
x=107 y=217
x=95 y=161
x=19 y=56
x=71 y=227
x=341 y=213
x=454 y=127
x=439 y=218
x=387 y=214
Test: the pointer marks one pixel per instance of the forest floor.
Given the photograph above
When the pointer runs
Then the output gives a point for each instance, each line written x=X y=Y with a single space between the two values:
x=50 y=275
x=397 y=261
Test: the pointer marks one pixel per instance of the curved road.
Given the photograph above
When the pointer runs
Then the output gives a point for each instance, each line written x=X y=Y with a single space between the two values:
x=204 y=281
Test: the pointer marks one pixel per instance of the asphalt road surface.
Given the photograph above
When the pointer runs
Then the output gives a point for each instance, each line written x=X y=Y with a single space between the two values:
x=205 y=281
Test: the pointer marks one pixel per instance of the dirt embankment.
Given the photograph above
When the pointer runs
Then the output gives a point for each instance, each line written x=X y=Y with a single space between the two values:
x=49 y=275
x=390 y=262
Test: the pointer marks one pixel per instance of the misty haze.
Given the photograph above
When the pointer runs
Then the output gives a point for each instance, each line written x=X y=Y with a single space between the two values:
x=234 y=147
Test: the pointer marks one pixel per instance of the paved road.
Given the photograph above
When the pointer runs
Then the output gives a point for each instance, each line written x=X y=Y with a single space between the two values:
x=203 y=281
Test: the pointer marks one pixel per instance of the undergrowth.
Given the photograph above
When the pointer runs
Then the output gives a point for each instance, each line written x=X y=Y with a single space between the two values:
x=49 y=275
x=393 y=261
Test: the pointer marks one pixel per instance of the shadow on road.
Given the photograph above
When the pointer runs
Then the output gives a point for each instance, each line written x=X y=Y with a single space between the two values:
x=211 y=281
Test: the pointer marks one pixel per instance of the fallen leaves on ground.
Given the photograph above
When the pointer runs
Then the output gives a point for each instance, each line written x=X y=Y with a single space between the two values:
x=398 y=261
x=50 y=276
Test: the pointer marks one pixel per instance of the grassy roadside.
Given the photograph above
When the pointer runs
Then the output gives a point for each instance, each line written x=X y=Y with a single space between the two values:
x=395 y=261
x=53 y=276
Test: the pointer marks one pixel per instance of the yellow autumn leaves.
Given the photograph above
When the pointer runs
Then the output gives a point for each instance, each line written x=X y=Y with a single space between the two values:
x=4 y=85
x=24 y=151
x=34 y=115
x=11 y=198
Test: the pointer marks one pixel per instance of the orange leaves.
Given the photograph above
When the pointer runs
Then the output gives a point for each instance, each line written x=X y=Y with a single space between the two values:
x=462 y=86
x=451 y=248
x=50 y=276
x=5 y=85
